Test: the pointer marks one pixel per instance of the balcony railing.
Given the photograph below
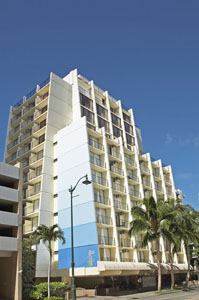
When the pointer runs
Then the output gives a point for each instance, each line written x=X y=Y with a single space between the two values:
x=133 y=177
x=126 y=259
x=122 y=223
x=28 y=108
x=107 y=258
x=120 y=205
x=24 y=150
x=15 y=118
x=27 y=228
x=156 y=174
x=106 y=240
x=147 y=183
x=134 y=193
x=99 y=180
x=14 y=130
x=125 y=243
x=30 y=209
x=117 y=170
x=159 y=188
x=95 y=144
x=130 y=162
x=14 y=143
x=33 y=192
x=118 y=187
x=115 y=154
x=101 y=199
x=33 y=175
x=104 y=220
x=167 y=180
x=144 y=168
x=11 y=157
x=169 y=192
x=24 y=136
x=96 y=161
x=26 y=122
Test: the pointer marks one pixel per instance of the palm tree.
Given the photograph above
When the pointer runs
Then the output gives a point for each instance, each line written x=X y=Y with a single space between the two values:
x=48 y=235
x=173 y=241
x=149 y=219
x=186 y=228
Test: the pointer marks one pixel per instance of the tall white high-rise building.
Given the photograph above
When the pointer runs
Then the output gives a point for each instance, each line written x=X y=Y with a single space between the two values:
x=67 y=128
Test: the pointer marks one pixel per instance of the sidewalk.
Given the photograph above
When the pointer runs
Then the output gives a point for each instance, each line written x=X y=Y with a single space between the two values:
x=144 y=295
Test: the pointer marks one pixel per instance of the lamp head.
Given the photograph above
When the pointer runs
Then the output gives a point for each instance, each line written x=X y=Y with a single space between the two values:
x=86 y=181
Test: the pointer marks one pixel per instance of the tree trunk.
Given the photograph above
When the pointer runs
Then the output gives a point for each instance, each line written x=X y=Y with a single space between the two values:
x=171 y=265
x=49 y=270
x=159 y=265
x=188 y=262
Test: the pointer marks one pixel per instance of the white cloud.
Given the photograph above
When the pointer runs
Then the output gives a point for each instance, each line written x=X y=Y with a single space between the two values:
x=169 y=139
x=184 y=176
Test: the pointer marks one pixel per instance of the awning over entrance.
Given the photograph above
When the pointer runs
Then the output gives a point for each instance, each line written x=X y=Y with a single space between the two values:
x=137 y=268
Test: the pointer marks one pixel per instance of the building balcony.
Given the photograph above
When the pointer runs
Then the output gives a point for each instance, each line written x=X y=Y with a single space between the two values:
x=106 y=241
x=28 y=108
x=15 y=118
x=122 y=223
x=116 y=170
x=115 y=154
x=169 y=192
x=134 y=193
x=31 y=209
x=130 y=162
x=120 y=205
x=100 y=180
x=156 y=175
x=27 y=122
x=32 y=192
x=133 y=178
x=101 y=199
x=118 y=187
x=138 y=245
x=93 y=143
x=104 y=220
x=11 y=158
x=107 y=258
x=12 y=144
x=147 y=184
x=144 y=169
x=168 y=181
x=126 y=259
x=97 y=162
x=23 y=137
x=28 y=228
x=14 y=131
x=9 y=194
x=39 y=99
x=33 y=175
x=8 y=218
x=126 y=243
x=8 y=243
x=159 y=189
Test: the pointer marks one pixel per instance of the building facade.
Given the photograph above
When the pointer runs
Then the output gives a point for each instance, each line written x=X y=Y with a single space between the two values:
x=67 y=128
x=10 y=233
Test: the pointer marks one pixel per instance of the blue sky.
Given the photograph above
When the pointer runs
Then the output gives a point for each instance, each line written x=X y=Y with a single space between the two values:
x=146 y=53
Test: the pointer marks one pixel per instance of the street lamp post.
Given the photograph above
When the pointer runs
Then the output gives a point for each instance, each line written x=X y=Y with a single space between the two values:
x=71 y=190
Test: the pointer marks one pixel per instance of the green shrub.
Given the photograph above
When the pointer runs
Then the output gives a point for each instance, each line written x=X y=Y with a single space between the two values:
x=40 y=290
x=80 y=288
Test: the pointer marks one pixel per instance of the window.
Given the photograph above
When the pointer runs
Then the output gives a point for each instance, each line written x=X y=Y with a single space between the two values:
x=85 y=101
x=129 y=139
x=45 y=95
x=126 y=118
x=44 y=109
x=42 y=124
x=89 y=115
x=95 y=159
x=128 y=128
x=101 y=111
x=103 y=123
x=38 y=171
x=117 y=132
x=40 y=154
x=116 y=120
x=38 y=187
x=41 y=138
